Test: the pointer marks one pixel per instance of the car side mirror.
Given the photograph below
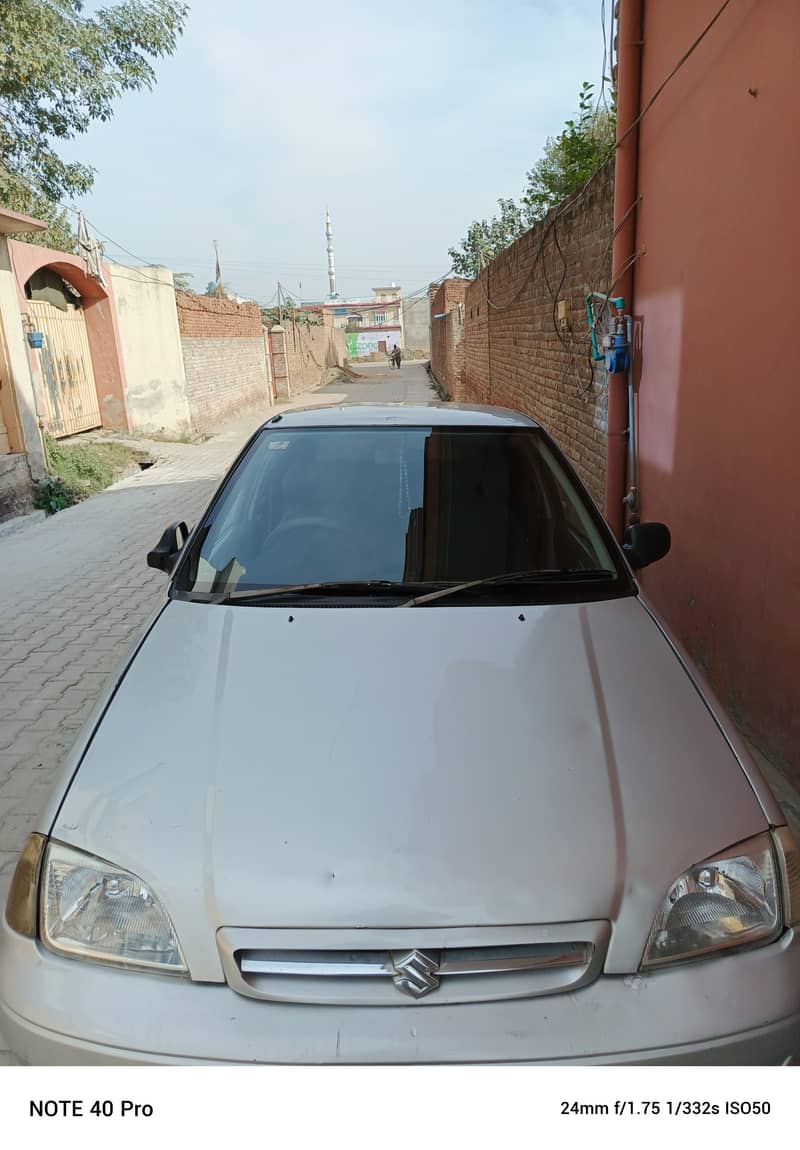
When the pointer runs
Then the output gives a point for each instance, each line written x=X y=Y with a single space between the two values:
x=646 y=543
x=165 y=554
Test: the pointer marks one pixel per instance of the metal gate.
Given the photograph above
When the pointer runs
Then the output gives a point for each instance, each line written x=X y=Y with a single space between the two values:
x=69 y=387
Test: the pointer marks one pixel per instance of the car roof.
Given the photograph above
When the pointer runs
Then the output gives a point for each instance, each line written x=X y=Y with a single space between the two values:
x=403 y=414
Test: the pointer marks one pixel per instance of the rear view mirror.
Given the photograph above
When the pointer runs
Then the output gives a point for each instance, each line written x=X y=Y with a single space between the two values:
x=165 y=554
x=646 y=543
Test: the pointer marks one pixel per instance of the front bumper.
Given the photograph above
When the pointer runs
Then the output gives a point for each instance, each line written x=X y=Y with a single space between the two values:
x=739 y=1009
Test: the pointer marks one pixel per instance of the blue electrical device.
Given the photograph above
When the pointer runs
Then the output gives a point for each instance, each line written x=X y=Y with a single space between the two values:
x=618 y=356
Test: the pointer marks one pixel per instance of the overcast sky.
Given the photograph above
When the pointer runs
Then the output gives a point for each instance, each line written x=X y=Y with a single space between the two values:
x=407 y=119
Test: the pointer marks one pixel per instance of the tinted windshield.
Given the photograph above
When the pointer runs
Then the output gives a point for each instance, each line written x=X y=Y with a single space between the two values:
x=410 y=504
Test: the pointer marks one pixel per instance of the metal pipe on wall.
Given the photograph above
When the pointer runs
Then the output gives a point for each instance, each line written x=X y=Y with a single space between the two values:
x=631 y=500
x=629 y=61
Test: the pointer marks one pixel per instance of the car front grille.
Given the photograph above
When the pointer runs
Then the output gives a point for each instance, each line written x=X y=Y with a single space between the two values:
x=422 y=970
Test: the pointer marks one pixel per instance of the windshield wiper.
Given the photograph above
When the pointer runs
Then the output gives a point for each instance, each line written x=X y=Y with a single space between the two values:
x=256 y=594
x=545 y=575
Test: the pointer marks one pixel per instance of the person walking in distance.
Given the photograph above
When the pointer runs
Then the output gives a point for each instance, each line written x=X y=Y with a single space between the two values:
x=397 y=356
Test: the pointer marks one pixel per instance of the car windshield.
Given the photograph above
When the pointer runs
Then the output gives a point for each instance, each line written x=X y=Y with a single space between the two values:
x=405 y=505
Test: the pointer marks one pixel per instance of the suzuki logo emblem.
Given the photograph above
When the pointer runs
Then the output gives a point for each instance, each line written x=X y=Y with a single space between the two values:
x=415 y=972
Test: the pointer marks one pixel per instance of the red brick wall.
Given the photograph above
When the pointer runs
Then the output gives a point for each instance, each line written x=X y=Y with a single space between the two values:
x=476 y=386
x=224 y=358
x=206 y=317
x=447 y=335
x=514 y=354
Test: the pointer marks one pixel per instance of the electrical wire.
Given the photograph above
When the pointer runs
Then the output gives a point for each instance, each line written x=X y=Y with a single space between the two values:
x=601 y=99
x=559 y=210
x=417 y=293
x=571 y=201
x=586 y=338
x=635 y=123
x=287 y=268
x=695 y=44
x=550 y=221
x=633 y=259
x=30 y=186
x=604 y=304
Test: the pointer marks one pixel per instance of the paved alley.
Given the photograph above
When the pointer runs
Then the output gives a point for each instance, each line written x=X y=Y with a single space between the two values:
x=76 y=591
x=381 y=383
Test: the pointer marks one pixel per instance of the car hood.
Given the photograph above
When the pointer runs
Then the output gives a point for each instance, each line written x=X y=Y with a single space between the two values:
x=440 y=766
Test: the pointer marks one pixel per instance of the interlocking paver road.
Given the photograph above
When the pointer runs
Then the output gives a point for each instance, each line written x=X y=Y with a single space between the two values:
x=75 y=591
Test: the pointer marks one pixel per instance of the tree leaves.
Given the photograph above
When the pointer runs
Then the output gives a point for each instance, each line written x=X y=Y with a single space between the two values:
x=568 y=161
x=59 y=71
x=487 y=238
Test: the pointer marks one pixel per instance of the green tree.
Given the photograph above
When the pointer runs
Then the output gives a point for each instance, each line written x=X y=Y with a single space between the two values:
x=18 y=198
x=183 y=281
x=568 y=161
x=59 y=71
x=571 y=158
x=272 y=315
x=485 y=239
x=290 y=312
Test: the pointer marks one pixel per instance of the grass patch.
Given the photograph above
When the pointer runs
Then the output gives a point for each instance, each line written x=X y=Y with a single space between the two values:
x=78 y=470
x=437 y=387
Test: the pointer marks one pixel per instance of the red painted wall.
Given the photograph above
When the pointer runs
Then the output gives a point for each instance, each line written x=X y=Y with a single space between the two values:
x=719 y=395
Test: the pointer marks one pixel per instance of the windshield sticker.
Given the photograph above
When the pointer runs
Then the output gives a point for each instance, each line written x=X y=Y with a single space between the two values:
x=280 y=445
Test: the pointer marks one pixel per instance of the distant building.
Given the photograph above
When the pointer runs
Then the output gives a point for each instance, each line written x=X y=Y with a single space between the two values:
x=370 y=326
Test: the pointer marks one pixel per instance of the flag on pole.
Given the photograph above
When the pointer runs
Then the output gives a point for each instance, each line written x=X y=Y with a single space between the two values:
x=217 y=273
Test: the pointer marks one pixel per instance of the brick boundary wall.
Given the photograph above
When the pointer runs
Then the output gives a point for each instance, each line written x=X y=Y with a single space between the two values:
x=313 y=353
x=447 y=336
x=514 y=353
x=210 y=317
x=224 y=358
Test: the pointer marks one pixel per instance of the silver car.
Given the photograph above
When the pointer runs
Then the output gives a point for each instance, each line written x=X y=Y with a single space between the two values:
x=506 y=824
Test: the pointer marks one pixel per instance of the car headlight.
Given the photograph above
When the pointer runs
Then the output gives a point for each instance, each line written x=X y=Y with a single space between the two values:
x=729 y=900
x=92 y=909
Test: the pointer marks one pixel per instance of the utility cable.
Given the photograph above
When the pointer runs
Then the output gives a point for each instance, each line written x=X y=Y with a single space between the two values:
x=30 y=186
x=570 y=202
x=550 y=222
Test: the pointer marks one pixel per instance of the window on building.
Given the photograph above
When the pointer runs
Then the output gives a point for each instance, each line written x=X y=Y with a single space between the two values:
x=380 y=318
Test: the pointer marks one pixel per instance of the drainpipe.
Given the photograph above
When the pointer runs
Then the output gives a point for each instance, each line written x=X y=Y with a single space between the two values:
x=631 y=500
x=629 y=65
